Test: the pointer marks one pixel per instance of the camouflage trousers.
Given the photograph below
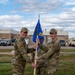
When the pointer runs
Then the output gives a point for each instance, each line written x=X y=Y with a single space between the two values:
x=18 y=67
x=52 y=70
x=41 y=70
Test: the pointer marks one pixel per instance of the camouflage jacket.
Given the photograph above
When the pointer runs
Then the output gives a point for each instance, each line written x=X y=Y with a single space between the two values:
x=41 y=62
x=21 y=50
x=53 y=50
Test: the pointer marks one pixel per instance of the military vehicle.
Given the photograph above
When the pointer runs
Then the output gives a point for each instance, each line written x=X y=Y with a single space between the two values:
x=71 y=42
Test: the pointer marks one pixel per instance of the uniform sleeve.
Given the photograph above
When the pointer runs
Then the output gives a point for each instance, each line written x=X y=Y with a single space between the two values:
x=23 y=50
x=50 y=51
x=43 y=47
x=29 y=50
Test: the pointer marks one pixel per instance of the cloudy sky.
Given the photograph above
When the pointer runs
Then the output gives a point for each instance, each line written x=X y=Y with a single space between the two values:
x=59 y=14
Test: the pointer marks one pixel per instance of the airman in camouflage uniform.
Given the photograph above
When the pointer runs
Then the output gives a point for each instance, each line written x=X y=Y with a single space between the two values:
x=52 y=54
x=21 y=53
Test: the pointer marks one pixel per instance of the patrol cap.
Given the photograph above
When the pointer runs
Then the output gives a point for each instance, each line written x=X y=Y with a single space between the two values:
x=53 y=31
x=24 y=29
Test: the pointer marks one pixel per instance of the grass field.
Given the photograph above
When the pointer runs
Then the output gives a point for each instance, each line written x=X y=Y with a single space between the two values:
x=67 y=50
x=6 y=69
x=62 y=50
x=6 y=50
x=66 y=66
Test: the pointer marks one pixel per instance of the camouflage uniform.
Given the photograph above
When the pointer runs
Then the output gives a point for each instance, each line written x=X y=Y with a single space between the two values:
x=21 y=56
x=52 y=56
x=41 y=65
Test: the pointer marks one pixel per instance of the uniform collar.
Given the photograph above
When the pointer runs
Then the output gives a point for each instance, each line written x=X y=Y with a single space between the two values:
x=54 y=40
x=22 y=38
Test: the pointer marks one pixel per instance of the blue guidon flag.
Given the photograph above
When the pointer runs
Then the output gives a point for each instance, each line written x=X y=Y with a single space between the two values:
x=38 y=32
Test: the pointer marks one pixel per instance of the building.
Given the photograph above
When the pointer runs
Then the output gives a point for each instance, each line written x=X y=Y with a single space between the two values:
x=62 y=35
x=10 y=34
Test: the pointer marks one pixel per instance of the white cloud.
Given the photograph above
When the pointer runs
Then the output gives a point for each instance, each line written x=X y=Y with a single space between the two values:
x=10 y=20
x=37 y=6
x=14 y=21
x=3 y=1
x=73 y=9
x=71 y=35
x=70 y=2
x=62 y=19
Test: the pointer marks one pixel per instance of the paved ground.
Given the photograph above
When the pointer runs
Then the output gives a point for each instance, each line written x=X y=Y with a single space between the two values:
x=11 y=47
x=5 y=53
x=68 y=47
x=9 y=53
x=6 y=47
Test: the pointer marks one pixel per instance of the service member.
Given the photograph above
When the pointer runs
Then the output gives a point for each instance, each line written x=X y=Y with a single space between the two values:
x=52 y=54
x=20 y=56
